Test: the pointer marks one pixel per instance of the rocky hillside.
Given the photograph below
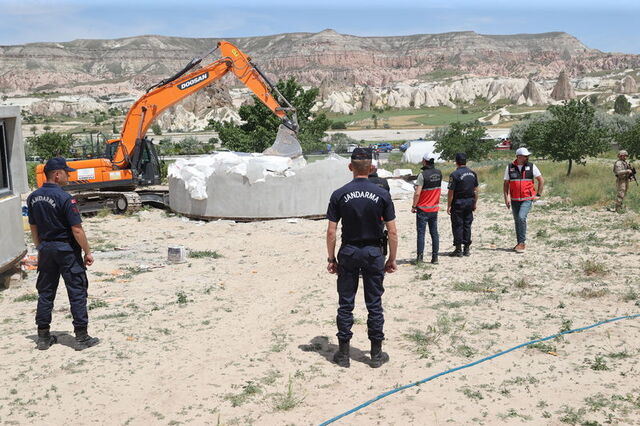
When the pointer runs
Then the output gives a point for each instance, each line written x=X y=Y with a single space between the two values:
x=353 y=73
x=329 y=58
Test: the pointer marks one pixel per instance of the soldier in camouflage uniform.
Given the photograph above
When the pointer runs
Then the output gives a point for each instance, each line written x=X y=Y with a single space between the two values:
x=623 y=171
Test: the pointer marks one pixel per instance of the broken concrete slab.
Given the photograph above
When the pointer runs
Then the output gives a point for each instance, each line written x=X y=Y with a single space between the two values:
x=254 y=187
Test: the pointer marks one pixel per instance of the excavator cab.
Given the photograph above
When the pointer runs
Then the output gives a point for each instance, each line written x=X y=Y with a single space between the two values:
x=145 y=164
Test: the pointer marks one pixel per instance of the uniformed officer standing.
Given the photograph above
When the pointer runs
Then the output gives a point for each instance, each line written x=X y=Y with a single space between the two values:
x=426 y=204
x=462 y=199
x=56 y=230
x=623 y=171
x=364 y=209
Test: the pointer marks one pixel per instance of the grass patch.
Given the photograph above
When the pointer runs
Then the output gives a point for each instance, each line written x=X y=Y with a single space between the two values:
x=96 y=303
x=200 y=254
x=29 y=297
x=287 y=400
x=592 y=293
x=181 y=298
x=486 y=285
x=597 y=364
x=490 y=325
x=592 y=267
x=541 y=346
x=472 y=394
x=248 y=391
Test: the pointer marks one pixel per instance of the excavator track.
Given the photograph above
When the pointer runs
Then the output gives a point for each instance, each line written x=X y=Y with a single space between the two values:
x=119 y=202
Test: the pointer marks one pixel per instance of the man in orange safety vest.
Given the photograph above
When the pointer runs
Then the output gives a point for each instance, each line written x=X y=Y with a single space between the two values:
x=520 y=193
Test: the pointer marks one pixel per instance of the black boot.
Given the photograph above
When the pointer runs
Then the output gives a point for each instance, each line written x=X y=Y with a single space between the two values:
x=45 y=339
x=434 y=259
x=467 y=250
x=377 y=356
x=83 y=340
x=341 y=357
x=419 y=258
x=458 y=251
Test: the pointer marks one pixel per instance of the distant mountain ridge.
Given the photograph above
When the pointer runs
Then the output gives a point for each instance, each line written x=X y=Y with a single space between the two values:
x=327 y=58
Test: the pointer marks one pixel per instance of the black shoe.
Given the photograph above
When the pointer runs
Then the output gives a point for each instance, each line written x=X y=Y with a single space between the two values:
x=377 y=356
x=457 y=252
x=84 y=341
x=419 y=258
x=341 y=357
x=434 y=259
x=467 y=250
x=45 y=339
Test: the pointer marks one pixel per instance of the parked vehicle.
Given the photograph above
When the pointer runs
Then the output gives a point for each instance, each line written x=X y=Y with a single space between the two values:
x=504 y=144
x=384 y=147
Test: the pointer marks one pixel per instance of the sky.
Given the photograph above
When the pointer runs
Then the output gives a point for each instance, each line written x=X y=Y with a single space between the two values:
x=610 y=26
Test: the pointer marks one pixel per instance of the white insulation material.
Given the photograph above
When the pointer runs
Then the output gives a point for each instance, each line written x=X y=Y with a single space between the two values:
x=254 y=186
x=417 y=149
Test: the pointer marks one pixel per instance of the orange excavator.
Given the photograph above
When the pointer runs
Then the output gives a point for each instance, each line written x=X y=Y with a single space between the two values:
x=131 y=161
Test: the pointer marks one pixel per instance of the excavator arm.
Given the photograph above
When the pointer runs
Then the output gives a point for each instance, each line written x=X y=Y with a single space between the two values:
x=171 y=91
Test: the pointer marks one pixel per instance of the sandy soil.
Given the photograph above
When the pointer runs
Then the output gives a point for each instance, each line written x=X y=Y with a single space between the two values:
x=245 y=338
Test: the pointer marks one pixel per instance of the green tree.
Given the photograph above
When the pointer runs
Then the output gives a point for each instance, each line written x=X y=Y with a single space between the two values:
x=261 y=125
x=464 y=137
x=571 y=134
x=155 y=127
x=622 y=106
x=51 y=144
x=630 y=140
x=340 y=142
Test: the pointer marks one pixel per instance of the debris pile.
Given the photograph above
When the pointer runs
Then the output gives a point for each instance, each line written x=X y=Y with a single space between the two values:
x=254 y=186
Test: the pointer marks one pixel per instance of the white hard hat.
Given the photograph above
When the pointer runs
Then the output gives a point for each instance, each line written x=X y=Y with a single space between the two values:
x=523 y=151
x=427 y=156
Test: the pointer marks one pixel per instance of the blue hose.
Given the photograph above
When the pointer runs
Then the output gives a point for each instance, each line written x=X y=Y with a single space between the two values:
x=471 y=364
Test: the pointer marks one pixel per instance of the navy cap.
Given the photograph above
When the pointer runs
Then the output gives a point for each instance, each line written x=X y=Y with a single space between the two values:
x=461 y=158
x=362 y=154
x=57 y=163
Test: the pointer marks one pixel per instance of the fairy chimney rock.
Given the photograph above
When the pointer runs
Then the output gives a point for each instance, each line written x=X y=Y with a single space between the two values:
x=533 y=95
x=628 y=85
x=563 y=89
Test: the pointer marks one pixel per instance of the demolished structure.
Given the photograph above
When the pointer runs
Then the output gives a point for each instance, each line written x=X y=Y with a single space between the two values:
x=248 y=187
x=13 y=182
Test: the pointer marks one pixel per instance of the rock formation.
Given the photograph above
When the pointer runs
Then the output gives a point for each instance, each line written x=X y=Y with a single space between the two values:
x=532 y=95
x=563 y=89
x=134 y=63
x=628 y=85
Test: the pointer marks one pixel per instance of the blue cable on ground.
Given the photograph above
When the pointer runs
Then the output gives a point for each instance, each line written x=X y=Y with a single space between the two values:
x=471 y=364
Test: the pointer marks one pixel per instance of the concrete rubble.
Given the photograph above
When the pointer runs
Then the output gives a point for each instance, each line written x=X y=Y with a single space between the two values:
x=254 y=186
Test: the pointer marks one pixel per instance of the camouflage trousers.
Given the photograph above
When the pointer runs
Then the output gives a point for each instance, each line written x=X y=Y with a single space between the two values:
x=621 y=185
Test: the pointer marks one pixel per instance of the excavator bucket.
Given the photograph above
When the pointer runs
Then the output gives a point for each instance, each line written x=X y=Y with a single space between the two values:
x=286 y=144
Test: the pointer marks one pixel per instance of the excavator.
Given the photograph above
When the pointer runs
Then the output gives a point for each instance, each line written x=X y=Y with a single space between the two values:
x=131 y=161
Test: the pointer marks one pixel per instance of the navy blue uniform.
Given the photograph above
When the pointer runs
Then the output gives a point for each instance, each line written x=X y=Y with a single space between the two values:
x=363 y=208
x=462 y=182
x=54 y=212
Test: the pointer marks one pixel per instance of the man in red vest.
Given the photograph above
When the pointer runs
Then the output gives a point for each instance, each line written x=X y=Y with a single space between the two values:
x=520 y=193
x=426 y=203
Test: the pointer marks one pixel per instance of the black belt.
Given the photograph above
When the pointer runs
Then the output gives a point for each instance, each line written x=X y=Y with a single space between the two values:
x=376 y=243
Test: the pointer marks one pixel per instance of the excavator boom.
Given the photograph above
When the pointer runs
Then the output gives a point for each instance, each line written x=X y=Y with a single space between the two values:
x=146 y=109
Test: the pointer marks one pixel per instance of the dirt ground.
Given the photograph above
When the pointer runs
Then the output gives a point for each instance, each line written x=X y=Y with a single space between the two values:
x=242 y=333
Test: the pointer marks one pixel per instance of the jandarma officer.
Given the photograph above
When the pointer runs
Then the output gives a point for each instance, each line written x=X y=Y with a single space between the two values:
x=56 y=230
x=364 y=208
x=462 y=199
